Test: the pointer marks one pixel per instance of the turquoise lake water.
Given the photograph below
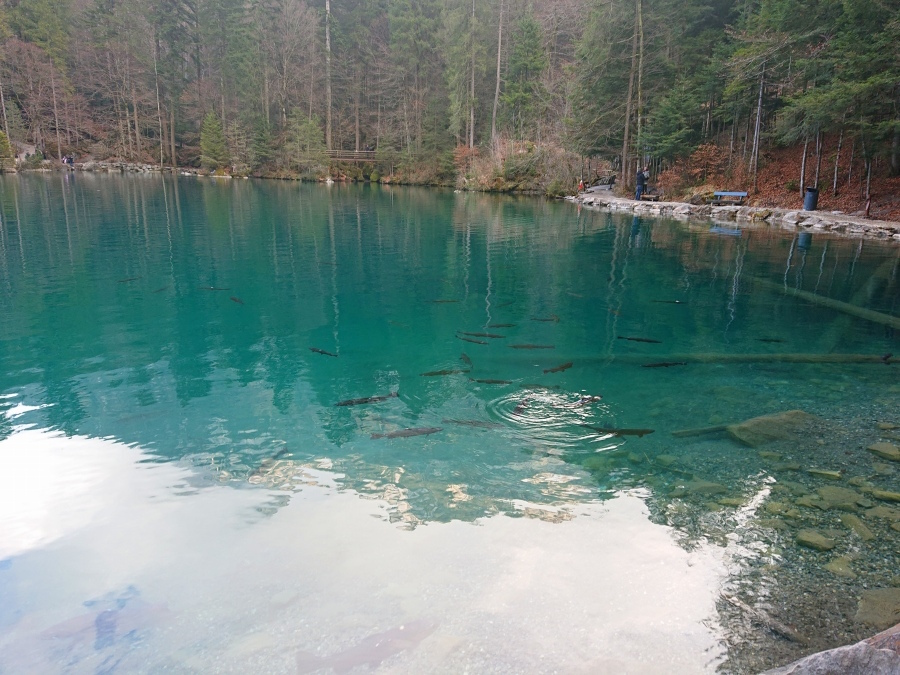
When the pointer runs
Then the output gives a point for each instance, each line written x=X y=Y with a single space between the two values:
x=179 y=488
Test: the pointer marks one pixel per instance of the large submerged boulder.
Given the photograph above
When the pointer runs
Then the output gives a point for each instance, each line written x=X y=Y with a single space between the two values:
x=761 y=430
x=878 y=655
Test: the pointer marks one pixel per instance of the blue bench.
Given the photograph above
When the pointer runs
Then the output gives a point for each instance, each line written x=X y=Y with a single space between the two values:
x=728 y=198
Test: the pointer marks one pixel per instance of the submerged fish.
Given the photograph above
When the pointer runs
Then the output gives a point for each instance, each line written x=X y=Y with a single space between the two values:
x=887 y=358
x=160 y=290
x=490 y=381
x=214 y=288
x=321 y=351
x=406 y=433
x=465 y=359
x=371 y=650
x=769 y=340
x=559 y=368
x=519 y=409
x=449 y=371
x=237 y=300
x=584 y=400
x=619 y=432
x=664 y=364
x=506 y=304
x=670 y=302
x=532 y=346
x=640 y=339
x=549 y=319
x=487 y=335
x=473 y=423
x=367 y=399
x=472 y=340
x=501 y=325
x=125 y=281
x=443 y=302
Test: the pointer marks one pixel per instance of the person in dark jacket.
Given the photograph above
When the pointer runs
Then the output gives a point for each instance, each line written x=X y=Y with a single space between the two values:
x=641 y=181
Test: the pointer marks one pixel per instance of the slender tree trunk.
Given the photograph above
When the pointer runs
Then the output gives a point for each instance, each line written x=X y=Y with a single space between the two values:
x=837 y=163
x=640 y=78
x=172 y=135
x=819 y=143
x=755 y=156
x=55 y=114
x=627 y=177
x=850 y=169
x=158 y=105
x=3 y=107
x=803 y=164
x=356 y=113
x=497 y=81
x=895 y=153
x=328 y=74
x=472 y=82
x=137 y=124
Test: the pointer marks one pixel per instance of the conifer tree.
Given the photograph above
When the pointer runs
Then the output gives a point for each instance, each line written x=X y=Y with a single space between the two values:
x=213 y=147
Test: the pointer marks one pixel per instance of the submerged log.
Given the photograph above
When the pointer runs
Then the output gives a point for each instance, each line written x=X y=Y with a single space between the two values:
x=700 y=431
x=717 y=357
x=846 y=307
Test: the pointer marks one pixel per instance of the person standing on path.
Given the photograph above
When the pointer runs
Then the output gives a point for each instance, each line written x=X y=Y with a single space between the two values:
x=640 y=181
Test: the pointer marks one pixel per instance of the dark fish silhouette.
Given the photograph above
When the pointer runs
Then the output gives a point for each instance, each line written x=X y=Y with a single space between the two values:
x=664 y=364
x=370 y=652
x=549 y=319
x=321 y=351
x=367 y=399
x=770 y=340
x=489 y=381
x=125 y=281
x=281 y=453
x=670 y=302
x=436 y=373
x=473 y=423
x=584 y=400
x=559 y=368
x=532 y=346
x=213 y=288
x=519 y=409
x=507 y=304
x=406 y=433
x=160 y=290
x=443 y=302
x=472 y=340
x=237 y=300
x=501 y=325
x=887 y=358
x=465 y=359
x=640 y=339
x=487 y=335
x=620 y=432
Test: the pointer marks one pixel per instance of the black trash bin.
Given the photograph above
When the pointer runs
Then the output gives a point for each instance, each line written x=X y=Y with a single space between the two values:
x=812 y=199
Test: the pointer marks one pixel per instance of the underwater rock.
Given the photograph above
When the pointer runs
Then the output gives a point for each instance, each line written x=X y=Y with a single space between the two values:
x=814 y=540
x=731 y=501
x=879 y=607
x=841 y=567
x=840 y=498
x=767 y=428
x=666 y=460
x=858 y=526
x=887 y=426
x=885 y=451
x=886 y=496
x=824 y=473
x=886 y=512
x=878 y=655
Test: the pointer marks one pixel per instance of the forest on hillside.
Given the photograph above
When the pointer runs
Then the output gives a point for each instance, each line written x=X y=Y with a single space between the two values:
x=500 y=94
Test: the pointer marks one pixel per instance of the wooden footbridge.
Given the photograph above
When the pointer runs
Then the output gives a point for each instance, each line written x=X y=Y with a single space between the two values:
x=351 y=155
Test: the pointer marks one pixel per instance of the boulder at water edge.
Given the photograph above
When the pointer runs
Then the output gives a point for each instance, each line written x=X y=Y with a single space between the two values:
x=879 y=655
x=760 y=430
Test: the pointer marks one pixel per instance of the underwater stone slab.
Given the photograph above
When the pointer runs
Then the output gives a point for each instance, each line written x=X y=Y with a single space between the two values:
x=844 y=499
x=815 y=540
x=879 y=607
x=841 y=567
x=878 y=655
x=885 y=451
x=767 y=428
x=858 y=526
x=886 y=496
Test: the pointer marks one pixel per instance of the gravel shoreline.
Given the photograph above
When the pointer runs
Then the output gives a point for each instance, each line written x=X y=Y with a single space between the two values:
x=820 y=221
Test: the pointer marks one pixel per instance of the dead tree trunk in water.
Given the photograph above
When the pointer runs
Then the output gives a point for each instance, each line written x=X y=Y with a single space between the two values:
x=754 y=159
x=328 y=74
x=497 y=82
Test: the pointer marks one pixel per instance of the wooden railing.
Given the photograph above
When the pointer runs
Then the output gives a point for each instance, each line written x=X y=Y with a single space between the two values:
x=352 y=155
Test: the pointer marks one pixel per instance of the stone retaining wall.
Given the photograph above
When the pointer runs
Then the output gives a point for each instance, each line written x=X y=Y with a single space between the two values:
x=824 y=221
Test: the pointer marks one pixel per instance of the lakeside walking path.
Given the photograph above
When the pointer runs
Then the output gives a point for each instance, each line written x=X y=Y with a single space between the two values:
x=823 y=221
